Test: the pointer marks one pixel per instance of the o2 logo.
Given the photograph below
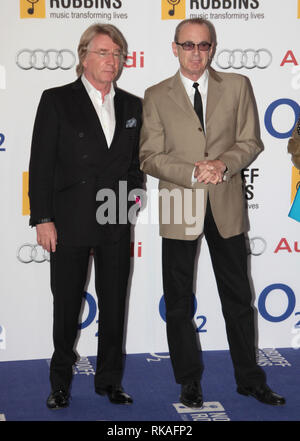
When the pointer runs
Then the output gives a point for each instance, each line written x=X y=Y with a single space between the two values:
x=269 y=114
x=291 y=304
x=202 y=318
x=92 y=311
x=2 y=139
x=290 y=307
x=2 y=338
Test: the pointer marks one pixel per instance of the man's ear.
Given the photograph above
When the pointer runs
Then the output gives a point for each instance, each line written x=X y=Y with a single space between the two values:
x=174 y=49
x=211 y=51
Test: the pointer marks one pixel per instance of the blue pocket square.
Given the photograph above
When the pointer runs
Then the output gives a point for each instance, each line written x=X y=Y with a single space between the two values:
x=131 y=123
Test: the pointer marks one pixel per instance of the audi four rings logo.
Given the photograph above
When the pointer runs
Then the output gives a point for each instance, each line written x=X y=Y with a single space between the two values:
x=258 y=246
x=247 y=58
x=40 y=59
x=28 y=253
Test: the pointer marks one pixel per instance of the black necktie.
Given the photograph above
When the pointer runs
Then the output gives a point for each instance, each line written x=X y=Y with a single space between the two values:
x=198 y=104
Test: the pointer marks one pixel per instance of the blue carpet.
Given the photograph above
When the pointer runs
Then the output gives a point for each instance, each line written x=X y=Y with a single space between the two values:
x=149 y=379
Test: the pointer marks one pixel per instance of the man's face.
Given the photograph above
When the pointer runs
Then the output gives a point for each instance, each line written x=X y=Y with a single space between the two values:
x=102 y=67
x=193 y=63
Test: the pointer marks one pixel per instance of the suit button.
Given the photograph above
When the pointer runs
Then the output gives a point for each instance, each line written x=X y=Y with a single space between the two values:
x=200 y=129
x=83 y=182
x=84 y=156
x=206 y=154
x=81 y=134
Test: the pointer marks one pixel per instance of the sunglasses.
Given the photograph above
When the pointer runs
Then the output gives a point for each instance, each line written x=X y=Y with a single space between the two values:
x=204 y=46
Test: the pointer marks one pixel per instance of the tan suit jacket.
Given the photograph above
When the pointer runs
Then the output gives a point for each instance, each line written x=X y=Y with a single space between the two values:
x=172 y=140
x=294 y=145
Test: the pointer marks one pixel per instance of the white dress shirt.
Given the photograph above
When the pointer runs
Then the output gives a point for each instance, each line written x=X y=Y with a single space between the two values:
x=105 y=109
x=203 y=87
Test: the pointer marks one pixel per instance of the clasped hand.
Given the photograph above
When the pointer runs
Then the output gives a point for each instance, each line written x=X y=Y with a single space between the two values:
x=211 y=171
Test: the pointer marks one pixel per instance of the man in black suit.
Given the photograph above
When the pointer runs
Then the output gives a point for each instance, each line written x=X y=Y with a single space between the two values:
x=85 y=139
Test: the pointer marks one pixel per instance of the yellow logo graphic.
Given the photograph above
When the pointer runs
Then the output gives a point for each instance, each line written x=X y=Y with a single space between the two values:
x=25 y=203
x=32 y=8
x=295 y=182
x=298 y=9
x=173 y=9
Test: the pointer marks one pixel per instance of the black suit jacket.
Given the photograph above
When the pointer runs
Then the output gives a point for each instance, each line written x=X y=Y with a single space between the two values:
x=70 y=161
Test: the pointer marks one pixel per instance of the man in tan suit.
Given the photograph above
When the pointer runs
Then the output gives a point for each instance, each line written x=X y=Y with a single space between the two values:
x=200 y=130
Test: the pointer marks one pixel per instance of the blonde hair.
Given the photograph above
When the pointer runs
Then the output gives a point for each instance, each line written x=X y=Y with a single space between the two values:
x=96 y=29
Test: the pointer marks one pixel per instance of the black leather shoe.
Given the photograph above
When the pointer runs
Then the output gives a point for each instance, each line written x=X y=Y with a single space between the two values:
x=262 y=393
x=191 y=394
x=115 y=394
x=58 y=399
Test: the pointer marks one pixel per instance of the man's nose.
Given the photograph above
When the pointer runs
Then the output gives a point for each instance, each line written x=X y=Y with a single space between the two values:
x=110 y=57
x=196 y=49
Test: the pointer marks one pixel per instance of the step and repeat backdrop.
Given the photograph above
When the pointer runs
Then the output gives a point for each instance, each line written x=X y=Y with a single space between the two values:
x=256 y=38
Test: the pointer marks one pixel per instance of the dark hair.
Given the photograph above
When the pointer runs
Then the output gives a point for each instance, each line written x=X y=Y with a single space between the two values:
x=200 y=22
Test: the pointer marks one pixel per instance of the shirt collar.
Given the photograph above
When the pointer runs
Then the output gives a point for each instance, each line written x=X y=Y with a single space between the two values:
x=92 y=91
x=202 y=81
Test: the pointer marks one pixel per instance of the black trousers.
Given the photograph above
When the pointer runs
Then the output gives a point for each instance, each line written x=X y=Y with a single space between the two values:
x=229 y=260
x=69 y=267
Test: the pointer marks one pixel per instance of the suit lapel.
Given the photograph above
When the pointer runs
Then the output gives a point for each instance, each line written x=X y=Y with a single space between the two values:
x=178 y=94
x=119 y=115
x=215 y=90
x=87 y=113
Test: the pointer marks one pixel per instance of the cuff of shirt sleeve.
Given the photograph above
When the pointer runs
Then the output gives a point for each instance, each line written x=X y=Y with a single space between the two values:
x=193 y=180
x=225 y=174
x=43 y=220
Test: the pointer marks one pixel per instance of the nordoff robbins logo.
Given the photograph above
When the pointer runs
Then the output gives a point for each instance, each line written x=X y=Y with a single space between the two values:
x=28 y=253
x=40 y=59
x=244 y=58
